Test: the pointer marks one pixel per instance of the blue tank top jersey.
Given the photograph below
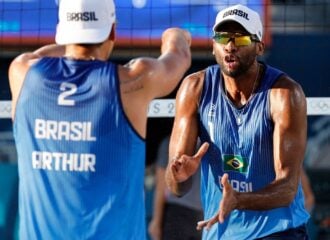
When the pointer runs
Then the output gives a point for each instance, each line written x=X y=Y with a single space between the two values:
x=81 y=163
x=241 y=144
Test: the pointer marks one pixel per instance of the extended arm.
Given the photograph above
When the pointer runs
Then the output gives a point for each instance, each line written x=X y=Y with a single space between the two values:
x=183 y=163
x=144 y=79
x=157 y=77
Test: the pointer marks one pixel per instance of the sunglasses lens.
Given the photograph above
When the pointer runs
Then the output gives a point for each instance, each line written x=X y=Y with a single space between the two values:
x=238 y=40
x=243 y=41
x=222 y=39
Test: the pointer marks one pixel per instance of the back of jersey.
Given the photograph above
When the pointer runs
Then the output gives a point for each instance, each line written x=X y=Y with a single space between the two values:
x=81 y=164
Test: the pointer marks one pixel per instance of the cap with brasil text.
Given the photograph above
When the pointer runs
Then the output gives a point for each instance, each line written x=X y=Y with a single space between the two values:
x=243 y=15
x=84 y=21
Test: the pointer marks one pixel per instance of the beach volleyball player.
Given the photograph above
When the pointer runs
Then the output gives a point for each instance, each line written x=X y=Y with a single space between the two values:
x=80 y=126
x=251 y=119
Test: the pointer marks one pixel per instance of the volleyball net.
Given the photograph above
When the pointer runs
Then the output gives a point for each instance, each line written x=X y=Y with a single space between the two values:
x=295 y=32
x=139 y=22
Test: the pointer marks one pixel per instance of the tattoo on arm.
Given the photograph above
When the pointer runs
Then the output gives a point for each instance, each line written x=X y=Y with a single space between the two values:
x=131 y=85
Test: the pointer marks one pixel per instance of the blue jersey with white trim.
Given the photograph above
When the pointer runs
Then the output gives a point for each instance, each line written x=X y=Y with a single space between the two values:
x=241 y=144
x=81 y=163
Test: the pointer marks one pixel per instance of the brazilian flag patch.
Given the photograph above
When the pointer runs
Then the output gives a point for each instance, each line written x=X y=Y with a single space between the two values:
x=235 y=163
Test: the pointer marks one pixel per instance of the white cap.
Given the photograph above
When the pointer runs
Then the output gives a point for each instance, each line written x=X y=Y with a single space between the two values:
x=84 y=21
x=243 y=15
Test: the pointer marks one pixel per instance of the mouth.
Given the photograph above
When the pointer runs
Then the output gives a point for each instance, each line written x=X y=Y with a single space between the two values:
x=231 y=61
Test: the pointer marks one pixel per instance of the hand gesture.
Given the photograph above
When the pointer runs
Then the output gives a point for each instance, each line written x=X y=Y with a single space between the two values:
x=185 y=166
x=227 y=204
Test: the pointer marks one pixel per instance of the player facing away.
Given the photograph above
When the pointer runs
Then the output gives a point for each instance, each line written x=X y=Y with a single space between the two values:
x=251 y=119
x=80 y=126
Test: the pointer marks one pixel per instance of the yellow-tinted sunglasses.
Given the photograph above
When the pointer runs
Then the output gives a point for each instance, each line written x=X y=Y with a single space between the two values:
x=239 y=39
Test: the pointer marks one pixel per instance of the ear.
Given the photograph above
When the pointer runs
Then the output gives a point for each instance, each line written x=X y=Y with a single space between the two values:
x=260 y=48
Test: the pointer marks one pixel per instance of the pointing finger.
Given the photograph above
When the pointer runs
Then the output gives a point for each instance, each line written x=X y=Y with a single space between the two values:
x=202 y=150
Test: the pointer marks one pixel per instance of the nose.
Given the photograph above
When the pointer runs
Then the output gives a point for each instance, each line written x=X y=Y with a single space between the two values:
x=230 y=46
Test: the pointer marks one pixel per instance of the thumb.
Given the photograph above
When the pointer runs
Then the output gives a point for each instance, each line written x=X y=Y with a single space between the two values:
x=224 y=181
x=202 y=150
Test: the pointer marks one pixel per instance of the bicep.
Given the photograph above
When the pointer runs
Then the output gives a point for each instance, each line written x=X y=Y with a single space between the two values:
x=159 y=77
x=288 y=106
x=185 y=127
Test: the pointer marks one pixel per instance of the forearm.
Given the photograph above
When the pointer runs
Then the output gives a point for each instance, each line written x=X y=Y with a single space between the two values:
x=183 y=163
x=177 y=42
x=279 y=193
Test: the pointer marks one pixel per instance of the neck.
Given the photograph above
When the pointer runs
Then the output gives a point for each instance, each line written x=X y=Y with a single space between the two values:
x=88 y=52
x=240 y=91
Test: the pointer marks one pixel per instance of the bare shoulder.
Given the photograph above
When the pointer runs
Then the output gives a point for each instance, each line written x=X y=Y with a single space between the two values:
x=188 y=96
x=192 y=85
x=287 y=96
x=20 y=65
x=26 y=59
x=286 y=86
x=16 y=73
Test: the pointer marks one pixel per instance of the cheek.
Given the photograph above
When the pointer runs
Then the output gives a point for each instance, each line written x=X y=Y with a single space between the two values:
x=218 y=51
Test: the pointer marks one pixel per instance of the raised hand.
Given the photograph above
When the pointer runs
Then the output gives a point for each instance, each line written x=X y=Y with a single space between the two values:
x=185 y=166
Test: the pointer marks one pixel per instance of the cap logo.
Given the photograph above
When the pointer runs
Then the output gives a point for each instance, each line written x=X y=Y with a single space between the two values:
x=237 y=12
x=81 y=16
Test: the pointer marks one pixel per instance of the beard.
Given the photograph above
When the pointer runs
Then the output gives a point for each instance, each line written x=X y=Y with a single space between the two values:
x=244 y=63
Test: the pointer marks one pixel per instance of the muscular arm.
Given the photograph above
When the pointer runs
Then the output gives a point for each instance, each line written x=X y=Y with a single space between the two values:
x=288 y=111
x=144 y=79
x=184 y=136
x=157 y=77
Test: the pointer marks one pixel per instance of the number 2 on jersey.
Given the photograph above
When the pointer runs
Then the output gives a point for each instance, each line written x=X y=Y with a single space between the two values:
x=68 y=89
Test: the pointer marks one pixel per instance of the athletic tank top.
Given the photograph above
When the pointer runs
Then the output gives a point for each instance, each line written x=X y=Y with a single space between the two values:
x=81 y=163
x=241 y=144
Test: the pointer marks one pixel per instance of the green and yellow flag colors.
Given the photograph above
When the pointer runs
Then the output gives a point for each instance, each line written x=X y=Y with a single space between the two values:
x=235 y=163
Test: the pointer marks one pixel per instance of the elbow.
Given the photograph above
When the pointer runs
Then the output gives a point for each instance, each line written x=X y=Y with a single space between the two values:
x=178 y=189
x=289 y=199
x=170 y=183
x=186 y=56
x=289 y=196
